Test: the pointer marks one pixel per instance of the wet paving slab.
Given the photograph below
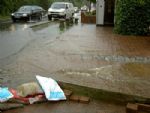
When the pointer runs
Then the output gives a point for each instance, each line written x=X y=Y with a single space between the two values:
x=102 y=39
x=122 y=79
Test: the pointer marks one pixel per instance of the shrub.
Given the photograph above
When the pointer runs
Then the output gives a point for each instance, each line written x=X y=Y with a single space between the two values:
x=132 y=17
x=93 y=13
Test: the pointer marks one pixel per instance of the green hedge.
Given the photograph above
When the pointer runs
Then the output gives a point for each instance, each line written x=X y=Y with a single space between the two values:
x=132 y=17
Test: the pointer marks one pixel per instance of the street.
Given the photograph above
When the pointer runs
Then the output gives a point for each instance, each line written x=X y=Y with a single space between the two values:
x=81 y=54
x=16 y=36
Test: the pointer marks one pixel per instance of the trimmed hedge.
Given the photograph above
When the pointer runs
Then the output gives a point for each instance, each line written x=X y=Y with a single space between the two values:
x=132 y=17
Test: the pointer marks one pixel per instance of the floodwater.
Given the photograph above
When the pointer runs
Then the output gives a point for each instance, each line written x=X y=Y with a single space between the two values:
x=128 y=78
x=14 y=37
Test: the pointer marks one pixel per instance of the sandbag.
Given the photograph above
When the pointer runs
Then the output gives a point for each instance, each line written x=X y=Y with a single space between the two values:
x=27 y=89
x=51 y=89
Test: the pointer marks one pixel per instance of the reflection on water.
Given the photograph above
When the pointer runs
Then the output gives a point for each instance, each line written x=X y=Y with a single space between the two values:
x=13 y=26
x=41 y=26
x=56 y=27
x=64 y=25
x=6 y=27
x=15 y=36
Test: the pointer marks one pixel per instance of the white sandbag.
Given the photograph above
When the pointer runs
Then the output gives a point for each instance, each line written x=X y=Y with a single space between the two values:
x=51 y=89
x=29 y=89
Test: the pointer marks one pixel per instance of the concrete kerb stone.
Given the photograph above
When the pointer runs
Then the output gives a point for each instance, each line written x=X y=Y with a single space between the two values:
x=100 y=94
x=132 y=108
x=68 y=93
x=74 y=98
x=39 y=24
x=143 y=107
x=84 y=99
x=136 y=107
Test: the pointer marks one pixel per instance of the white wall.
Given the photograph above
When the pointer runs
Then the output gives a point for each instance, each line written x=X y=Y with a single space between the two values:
x=100 y=7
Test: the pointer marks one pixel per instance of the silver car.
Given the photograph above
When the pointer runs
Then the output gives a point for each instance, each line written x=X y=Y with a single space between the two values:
x=61 y=10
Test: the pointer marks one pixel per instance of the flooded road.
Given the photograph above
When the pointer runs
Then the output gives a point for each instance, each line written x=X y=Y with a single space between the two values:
x=14 y=37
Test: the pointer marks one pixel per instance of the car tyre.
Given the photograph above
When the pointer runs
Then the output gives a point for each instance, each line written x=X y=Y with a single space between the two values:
x=49 y=17
x=30 y=18
x=65 y=17
x=40 y=17
x=14 y=20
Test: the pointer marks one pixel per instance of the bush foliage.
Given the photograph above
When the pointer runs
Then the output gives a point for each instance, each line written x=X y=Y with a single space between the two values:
x=132 y=17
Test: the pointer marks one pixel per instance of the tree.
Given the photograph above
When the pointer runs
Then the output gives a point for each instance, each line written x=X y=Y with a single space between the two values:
x=132 y=17
x=90 y=2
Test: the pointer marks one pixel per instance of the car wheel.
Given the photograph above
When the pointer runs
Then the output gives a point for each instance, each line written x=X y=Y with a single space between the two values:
x=40 y=17
x=14 y=20
x=49 y=17
x=65 y=17
x=30 y=18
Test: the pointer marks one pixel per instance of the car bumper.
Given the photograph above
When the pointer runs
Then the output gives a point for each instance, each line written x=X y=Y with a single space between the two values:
x=56 y=15
x=20 y=17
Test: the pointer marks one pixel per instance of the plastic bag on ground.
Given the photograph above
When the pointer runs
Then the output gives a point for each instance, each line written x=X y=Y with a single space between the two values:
x=37 y=99
x=17 y=98
x=27 y=100
x=5 y=94
x=26 y=89
x=51 y=89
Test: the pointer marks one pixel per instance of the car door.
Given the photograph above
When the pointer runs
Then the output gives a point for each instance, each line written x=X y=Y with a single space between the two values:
x=67 y=11
x=71 y=8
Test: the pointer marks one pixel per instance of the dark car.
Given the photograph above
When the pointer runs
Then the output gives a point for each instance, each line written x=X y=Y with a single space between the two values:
x=27 y=13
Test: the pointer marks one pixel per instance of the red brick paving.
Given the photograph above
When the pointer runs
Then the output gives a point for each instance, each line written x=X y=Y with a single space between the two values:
x=102 y=39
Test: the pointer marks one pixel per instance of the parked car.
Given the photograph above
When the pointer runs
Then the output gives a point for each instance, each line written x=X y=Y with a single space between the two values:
x=76 y=9
x=28 y=12
x=84 y=8
x=61 y=10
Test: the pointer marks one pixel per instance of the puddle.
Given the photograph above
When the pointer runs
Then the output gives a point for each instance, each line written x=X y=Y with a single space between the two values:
x=15 y=37
x=61 y=26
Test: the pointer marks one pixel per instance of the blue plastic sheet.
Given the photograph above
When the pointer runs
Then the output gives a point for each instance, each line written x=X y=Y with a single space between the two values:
x=5 y=94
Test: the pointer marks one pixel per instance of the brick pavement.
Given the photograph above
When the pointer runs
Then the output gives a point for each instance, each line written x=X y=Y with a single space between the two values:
x=91 y=42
